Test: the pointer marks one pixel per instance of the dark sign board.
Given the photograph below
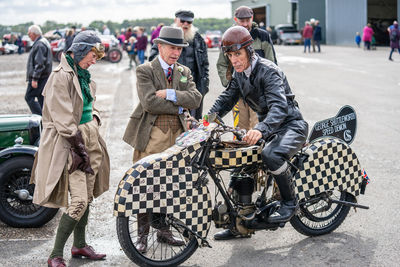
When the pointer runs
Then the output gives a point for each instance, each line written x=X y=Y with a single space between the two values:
x=342 y=126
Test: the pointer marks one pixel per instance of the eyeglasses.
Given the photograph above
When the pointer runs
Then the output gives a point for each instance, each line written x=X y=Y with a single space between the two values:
x=235 y=47
x=188 y=22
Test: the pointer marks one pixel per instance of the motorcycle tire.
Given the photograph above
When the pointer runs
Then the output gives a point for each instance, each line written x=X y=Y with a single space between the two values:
x=321 y=217
x=16 y=208
x=114 y=55
x=158 y=254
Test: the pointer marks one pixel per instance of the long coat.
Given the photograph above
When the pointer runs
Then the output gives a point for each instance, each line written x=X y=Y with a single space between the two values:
x=62 y=112
x=150 y=78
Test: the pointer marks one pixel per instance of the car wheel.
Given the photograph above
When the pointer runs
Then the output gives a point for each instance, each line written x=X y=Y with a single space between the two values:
x=114 y=55
x=16 y=195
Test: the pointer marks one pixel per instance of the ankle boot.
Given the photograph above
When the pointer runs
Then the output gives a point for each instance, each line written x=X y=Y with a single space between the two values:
x=143 y=232
x=289 y=206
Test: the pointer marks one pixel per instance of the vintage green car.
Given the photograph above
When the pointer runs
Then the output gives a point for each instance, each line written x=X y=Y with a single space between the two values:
x=19 y=141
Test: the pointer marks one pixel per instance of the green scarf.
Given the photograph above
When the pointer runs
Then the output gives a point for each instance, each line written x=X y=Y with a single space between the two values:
x=83 y=77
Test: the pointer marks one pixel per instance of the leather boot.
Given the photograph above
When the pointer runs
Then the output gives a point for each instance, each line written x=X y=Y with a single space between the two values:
x=165 y=236
x=227 y=234
x=289 y=205
x=143 y=232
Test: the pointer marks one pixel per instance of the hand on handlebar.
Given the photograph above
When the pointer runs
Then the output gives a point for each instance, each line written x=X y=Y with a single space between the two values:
x=252 y=137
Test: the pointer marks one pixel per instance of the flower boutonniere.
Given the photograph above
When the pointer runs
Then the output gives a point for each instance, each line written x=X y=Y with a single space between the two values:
x=183 y=78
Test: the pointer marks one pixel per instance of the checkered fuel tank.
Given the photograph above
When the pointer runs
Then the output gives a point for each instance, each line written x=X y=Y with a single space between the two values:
x=331 y=164
x=228 y=158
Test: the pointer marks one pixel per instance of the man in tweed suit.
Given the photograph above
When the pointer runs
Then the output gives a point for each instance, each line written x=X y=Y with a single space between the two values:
x=165 y=89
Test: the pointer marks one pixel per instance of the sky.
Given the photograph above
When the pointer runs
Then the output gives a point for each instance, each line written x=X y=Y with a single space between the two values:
x=85 y=11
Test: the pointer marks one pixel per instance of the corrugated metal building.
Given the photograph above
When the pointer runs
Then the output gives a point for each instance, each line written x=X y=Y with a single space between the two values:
x=339 y=19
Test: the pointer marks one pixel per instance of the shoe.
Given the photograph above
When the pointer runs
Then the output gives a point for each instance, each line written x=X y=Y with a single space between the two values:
x=56 y=262
x=86 y=252
x=141 y=244
x=390 y=59
x=284 y=213
x=228 y=234
x=165 y=236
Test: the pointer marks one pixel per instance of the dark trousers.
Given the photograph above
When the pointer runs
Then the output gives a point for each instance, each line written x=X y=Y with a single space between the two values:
x=367 y=45
x=35 y=93
x=391 y=52
x=283 y=145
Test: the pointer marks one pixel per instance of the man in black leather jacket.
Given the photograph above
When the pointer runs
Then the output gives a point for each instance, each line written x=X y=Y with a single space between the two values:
x=194 y=56
x=38 y=69
x=264 y=87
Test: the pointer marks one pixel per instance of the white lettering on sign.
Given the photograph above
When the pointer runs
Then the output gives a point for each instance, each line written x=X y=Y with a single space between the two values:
x=333 y=125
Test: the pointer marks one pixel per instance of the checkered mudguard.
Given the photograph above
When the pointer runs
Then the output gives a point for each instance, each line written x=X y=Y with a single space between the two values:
x=331 y=164
x=229 y=158
x=164 y=183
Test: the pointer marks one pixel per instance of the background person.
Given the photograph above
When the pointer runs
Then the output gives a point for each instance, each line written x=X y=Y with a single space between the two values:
x=141 y=44
x=394 y=36
x=72 y=156
x=165 y=88
x=317 y=36
x=368 y=32
x=244 y=117
x=307 y=35
x=39 y=67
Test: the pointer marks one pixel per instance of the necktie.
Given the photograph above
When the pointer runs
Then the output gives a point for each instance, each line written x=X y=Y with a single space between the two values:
x=169 y=75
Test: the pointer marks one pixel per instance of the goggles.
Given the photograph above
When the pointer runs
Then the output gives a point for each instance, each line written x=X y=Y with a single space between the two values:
x=99 y=46
x=188 y=22
x=236 y=47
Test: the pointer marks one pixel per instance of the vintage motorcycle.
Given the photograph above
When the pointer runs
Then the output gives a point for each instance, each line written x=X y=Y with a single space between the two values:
x=172 y=188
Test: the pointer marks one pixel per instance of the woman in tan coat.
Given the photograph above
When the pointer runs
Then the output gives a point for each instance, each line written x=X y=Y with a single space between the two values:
x=72 y=156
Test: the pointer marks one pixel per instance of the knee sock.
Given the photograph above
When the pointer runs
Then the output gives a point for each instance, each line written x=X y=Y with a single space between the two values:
x=65 y=228
x=80 y=230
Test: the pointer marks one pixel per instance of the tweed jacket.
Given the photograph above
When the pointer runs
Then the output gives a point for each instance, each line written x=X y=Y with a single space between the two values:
x=62 y=113
x=150 y=78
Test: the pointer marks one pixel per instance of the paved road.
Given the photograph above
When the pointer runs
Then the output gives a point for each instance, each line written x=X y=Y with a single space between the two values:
x=322 y=83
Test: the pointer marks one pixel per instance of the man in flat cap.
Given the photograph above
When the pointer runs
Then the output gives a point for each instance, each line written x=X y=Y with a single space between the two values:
x=165 y=89
x=72 y=156
x=243 y=116
x=194 y=56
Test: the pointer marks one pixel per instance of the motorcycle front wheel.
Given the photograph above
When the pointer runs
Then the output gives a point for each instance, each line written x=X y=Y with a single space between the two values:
x=320 y=216
x=158 y=253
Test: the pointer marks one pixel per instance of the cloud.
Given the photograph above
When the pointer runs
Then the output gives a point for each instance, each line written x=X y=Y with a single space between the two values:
x=85 y=11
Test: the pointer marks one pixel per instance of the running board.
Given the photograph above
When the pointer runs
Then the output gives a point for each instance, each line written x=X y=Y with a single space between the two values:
x=351 y=204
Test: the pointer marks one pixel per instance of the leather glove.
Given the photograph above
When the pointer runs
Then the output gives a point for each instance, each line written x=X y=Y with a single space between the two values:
x=80 y=156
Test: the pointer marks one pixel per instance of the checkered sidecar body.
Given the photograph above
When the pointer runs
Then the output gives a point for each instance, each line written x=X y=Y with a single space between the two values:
x=331 y=164
x=165 y=183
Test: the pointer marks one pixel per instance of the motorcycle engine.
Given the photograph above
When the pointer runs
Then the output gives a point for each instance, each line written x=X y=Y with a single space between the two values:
x=241 y=187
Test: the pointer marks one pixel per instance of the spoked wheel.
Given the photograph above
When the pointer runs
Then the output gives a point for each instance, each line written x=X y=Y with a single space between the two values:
x=320 y=216
x=114 y=55
x=16 y=195
x=158 y=253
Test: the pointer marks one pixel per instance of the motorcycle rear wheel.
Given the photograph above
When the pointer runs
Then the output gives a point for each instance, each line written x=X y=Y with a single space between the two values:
x=322 y=217
x=157 y=254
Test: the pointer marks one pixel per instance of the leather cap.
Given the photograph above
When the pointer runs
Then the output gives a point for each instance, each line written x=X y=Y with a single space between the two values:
x=235 y=38
x=243 y=12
